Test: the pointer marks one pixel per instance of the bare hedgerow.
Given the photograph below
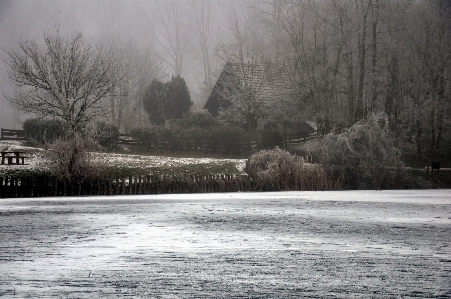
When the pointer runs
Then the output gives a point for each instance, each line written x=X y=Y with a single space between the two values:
x=274 y=170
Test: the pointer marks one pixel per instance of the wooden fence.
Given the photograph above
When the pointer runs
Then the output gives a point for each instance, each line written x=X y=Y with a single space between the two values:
x=127 y=139
x=298 y=140
x=45 y=185
x=7 y=134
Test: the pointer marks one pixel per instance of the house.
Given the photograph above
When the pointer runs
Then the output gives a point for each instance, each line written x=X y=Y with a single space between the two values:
x=263 y=89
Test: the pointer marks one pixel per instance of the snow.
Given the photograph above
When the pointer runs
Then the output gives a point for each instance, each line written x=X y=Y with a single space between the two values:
x=345 y=244
x=155 y=161
x=36 y=160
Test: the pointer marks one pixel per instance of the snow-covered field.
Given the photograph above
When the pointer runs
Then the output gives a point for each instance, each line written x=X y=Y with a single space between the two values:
x=346 y=244
x=140 y=163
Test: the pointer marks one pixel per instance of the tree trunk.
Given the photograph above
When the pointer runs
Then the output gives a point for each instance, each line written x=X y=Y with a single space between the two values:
x=432 y=124
x=375 y=15
x=439 y=133
x=359 y=114
x=350 y=88
x=418 y=139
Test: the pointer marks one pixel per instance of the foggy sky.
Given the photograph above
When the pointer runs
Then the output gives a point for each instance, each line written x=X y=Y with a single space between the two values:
x=124 y=21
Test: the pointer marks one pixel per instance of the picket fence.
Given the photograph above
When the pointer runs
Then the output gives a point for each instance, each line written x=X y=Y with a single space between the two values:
x=45 y=185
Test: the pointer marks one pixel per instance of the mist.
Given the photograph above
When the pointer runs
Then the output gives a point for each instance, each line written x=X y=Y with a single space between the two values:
x=343 y=60
x=146 y=26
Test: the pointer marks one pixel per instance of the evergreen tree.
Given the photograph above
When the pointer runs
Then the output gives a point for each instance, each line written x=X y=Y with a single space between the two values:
x=178 y=100
x=153 y=102
x=163 y=101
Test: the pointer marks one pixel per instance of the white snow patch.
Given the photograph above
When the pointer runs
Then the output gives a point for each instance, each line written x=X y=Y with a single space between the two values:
x=36 y=159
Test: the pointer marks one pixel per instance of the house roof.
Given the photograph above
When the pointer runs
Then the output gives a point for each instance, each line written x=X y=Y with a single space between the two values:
x=267 y=83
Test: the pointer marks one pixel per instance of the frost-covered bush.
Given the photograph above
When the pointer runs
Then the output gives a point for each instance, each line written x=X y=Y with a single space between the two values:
x=365 y=154
x=70 y=158
x=277 y=169
x=44 y=130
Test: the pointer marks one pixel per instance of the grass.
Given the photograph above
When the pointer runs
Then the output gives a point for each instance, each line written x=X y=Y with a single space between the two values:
x=123 y=164
x=113 y=164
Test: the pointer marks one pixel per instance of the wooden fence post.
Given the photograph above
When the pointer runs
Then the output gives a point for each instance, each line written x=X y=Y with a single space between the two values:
x=80 y=183
x=130 y=180
x=55 y=183
x=104 y=184
x=146 y=184
x=14 y=186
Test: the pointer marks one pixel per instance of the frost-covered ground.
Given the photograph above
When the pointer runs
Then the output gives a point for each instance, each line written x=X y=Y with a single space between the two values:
x=348 y=244
x=138 y=163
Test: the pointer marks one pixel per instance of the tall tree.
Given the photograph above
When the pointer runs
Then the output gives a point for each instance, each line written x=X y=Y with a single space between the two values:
x=242 y=54
x=204 y=22
x=430 y=61
x=169 y=28
x=134 y=68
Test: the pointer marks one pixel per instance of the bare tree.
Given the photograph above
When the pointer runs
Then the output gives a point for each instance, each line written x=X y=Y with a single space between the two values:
x=168 y=25
x=66 y=79
x=312 y=39
x=242 y=55
x=427 y=81
x=134 y=68
x=204 y=22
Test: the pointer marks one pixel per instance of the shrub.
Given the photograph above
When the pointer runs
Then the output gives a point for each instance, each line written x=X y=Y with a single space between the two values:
x=365 y=154
x=44 y=130
x=226 y=139
x=219 y=138
x=148 y=136
x=70 y=159
x=269 y=139
x=279 y=170
x=198 y=120
x=106 y=135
